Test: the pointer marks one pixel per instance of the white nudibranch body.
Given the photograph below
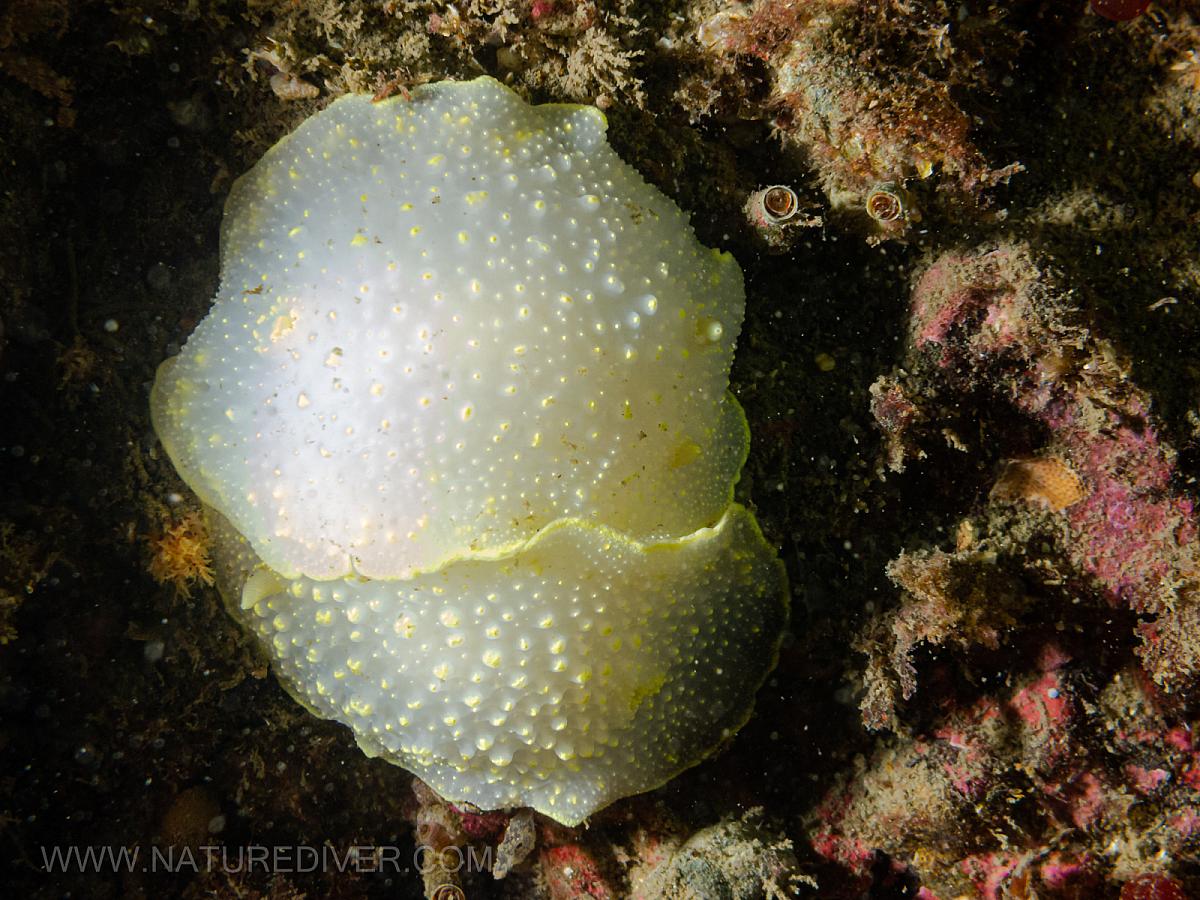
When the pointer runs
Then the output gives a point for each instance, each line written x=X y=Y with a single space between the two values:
x=459 y=414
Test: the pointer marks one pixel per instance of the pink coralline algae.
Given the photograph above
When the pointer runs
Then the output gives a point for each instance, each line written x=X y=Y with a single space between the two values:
x=645 y=853
x=569 y=867
x=993 y=319
x=486 y=826
x=1152 y=887
x=1024 y=792
x=1074 y=768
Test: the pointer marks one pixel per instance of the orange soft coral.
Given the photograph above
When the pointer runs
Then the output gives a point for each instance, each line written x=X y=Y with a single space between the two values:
x=179 y=555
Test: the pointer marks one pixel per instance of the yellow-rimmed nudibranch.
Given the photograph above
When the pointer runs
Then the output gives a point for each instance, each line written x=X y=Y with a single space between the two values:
x=460 y=419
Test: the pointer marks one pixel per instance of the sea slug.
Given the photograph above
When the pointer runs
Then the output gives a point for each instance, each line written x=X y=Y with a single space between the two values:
x=459 y=414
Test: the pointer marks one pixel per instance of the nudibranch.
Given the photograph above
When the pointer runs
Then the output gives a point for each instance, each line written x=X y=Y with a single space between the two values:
x=460 y=419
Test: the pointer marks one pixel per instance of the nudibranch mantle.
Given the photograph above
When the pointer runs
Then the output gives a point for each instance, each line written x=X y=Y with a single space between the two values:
x=460 y=417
